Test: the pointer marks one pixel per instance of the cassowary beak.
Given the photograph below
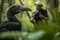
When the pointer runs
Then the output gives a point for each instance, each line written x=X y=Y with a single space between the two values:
x=23 y=8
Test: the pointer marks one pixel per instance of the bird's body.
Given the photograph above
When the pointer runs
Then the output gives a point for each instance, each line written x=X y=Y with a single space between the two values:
x=13 y=24
x=10 y=26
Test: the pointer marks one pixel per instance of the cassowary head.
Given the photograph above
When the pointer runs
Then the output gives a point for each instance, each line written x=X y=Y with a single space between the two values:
x=18 y=9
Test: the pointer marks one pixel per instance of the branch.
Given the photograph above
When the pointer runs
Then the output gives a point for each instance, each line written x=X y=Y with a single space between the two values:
x=21 y=2
x=26 y=11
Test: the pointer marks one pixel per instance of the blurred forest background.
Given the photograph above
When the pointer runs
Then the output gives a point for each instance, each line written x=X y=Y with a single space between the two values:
x=50 y=31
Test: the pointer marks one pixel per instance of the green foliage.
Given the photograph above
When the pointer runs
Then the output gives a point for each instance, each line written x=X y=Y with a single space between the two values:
x=55 y=13
x=10 y=35
x=50 y=29
x=34 y=36
x=42 y=31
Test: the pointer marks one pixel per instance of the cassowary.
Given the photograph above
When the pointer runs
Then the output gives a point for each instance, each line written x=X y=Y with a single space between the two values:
x=13 y=24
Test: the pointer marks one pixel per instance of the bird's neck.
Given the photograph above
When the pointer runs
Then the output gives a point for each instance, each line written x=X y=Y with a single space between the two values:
x=12 y=18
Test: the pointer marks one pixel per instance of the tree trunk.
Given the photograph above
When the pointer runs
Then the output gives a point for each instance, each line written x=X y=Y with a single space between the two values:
x=55 y=3
x=1 y=9
x=21 y=1
x=59 y=5
x=52 y=3
x=10 y=2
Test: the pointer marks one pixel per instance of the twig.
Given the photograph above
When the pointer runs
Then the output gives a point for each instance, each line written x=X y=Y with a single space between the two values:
x=26 y=11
